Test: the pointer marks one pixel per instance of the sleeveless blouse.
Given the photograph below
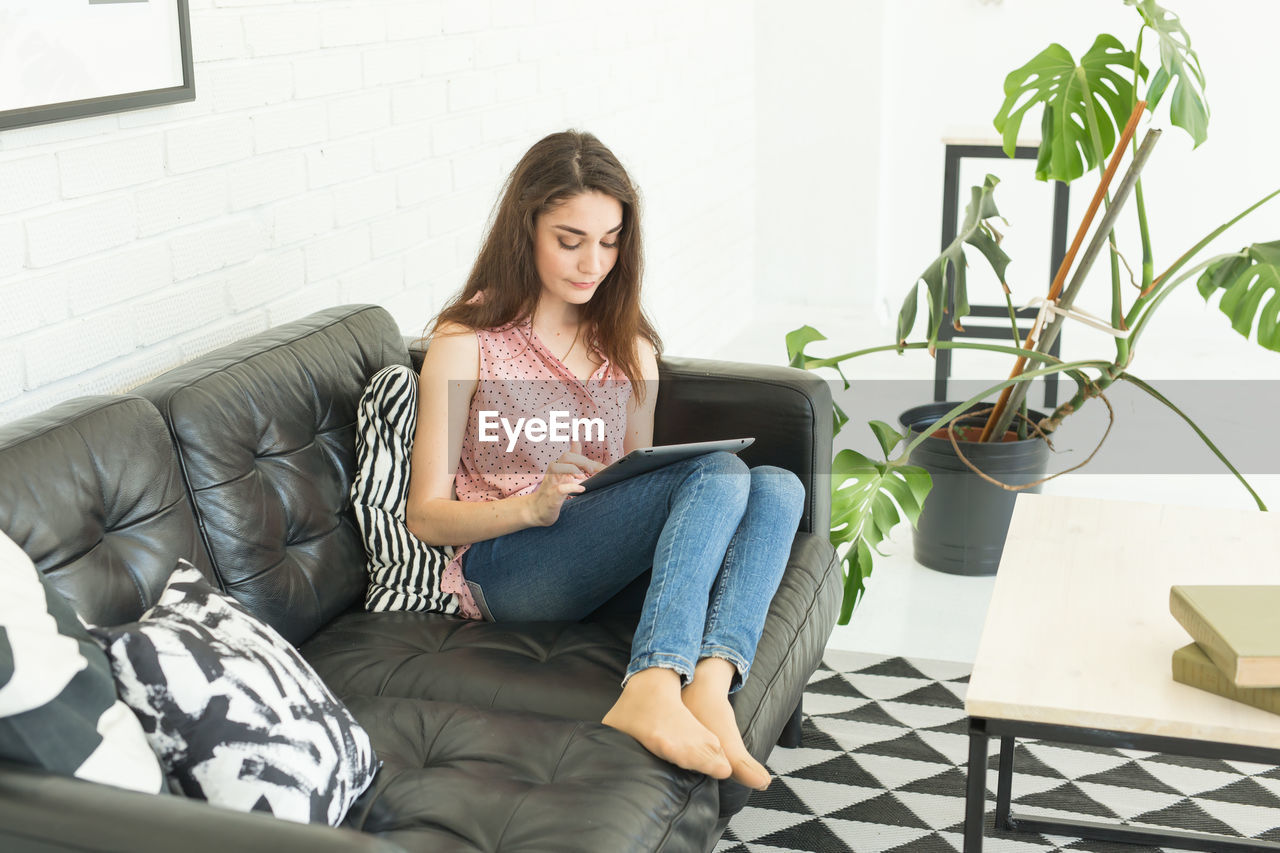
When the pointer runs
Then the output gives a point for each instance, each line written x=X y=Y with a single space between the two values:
x=521 y=378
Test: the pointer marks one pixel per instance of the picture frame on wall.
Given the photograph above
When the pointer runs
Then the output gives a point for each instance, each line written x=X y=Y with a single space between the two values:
x=66 y=59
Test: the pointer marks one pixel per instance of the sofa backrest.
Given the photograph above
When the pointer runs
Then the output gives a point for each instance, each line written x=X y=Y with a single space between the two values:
x=91 y=490
x=265 y=434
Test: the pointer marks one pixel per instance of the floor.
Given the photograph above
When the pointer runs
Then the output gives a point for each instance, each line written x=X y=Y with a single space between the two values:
x=909 y=610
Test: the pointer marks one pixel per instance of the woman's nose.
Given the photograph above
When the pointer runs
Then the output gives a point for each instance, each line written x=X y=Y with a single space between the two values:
x=590 y=261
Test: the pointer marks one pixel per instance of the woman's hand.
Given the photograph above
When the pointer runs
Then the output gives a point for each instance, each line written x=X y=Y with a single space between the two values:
x=563 y=478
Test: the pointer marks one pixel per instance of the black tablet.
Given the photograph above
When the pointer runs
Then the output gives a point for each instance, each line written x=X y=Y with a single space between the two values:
x=650 y=458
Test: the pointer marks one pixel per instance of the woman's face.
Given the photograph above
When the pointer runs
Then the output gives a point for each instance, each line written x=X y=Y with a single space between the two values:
x=576 y=244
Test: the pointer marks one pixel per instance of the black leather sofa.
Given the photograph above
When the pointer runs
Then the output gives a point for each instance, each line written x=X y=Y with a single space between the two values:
x=240 y=462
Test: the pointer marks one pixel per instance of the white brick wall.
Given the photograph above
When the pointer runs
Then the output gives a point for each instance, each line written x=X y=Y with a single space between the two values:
x=176 y=202
x=73 y=232
x=28 y=182
x=300 y=218
x=351 y=151
x=12 y=249
x=119 y=277
x=208 y=143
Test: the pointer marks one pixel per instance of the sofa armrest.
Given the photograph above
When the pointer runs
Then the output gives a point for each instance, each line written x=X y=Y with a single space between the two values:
x=42 y=811
x=799 y=623
x=787 y=410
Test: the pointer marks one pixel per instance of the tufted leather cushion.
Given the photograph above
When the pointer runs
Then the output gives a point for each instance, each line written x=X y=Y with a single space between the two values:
x=487 y=781
x=565 y=669
x=573 y=670
x=265 y=432
x=91 y=490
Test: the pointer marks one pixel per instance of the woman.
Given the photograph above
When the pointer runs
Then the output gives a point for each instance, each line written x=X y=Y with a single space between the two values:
x=550 y=320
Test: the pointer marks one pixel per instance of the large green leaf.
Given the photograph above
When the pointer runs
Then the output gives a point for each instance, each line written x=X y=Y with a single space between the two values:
x=1187 y=108
x=1246 y=280
x=838 y=419
x=797 y=340
x=976 y=232
x=1096 y=94
x=866 y=497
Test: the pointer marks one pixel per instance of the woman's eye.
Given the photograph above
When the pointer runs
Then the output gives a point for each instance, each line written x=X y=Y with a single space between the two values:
x=564 y=245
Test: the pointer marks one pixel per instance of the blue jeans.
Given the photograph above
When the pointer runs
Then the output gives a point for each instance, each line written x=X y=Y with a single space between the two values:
x=716 y=535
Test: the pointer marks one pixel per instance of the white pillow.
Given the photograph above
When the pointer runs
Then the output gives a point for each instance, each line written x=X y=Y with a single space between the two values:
x=236 y=715
x=58 y=704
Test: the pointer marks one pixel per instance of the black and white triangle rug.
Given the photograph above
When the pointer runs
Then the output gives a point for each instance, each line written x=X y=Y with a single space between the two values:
x=882 y=768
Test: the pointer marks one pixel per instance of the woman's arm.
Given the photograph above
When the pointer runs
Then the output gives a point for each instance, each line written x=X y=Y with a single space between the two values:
x=449 y=377
x=640 y=414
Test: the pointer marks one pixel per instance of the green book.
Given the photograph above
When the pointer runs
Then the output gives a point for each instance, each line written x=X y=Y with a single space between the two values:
x=1192 y=666
x=1238 y=627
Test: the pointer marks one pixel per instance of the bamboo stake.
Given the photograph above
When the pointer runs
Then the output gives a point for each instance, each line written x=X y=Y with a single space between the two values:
x=1068 y=298
x=1060 y=278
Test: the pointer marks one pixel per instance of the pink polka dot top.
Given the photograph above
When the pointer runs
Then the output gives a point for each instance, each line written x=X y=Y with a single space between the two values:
x=502 y=455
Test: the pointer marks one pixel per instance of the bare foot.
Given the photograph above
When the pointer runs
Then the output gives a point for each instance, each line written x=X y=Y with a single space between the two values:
x=707 y=698
x=651 y=711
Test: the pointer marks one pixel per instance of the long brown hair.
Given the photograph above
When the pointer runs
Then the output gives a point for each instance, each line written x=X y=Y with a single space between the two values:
x=555 y=169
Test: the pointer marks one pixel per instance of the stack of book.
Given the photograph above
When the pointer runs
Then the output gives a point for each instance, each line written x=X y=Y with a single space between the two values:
x=1236 y=652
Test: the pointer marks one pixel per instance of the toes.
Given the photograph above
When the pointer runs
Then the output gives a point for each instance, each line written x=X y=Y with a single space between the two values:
x=715 y=763
x=747 y=771
x=679 y=739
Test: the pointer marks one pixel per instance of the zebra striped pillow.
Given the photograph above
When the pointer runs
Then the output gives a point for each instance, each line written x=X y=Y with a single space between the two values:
x=404 y=571
x=236 y=715
x=58 y=705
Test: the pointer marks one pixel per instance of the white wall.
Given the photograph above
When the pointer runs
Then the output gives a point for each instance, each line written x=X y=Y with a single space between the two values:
x=819 y=142
x=350 y=151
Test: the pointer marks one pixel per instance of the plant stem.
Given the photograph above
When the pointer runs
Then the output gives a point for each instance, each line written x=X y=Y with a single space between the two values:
x=832 y=361
x=1213 y=447
x=1153 y=302
x=1186 y=256
x=1148 y=258
x=1102 y=383
x=1013 y=316
x=1137 y=64
x=1123 y=345
x=1117 y=294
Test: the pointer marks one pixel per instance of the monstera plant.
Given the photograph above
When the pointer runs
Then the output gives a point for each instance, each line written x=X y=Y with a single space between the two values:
x=1088 y=111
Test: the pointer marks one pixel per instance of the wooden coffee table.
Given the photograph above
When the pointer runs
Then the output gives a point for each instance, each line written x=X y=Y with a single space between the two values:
x=1077 y=643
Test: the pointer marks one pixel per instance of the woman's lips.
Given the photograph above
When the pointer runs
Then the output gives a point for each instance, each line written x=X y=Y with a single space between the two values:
x=583 y=285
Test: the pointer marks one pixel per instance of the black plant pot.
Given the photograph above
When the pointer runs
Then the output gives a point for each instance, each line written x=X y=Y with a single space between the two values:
x=964 y=521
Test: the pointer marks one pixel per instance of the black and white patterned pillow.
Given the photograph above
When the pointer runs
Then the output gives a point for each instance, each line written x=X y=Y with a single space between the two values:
x=236 y=715
x=404 y=572
x=58 y=704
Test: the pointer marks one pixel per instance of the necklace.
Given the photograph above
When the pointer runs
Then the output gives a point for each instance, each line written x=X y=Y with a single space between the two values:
x=546 y=342
x=573 y=343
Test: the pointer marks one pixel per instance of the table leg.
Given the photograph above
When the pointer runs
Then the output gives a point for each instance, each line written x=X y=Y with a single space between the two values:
x=1004 y=783
x=982 y=728
x=975 y=786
